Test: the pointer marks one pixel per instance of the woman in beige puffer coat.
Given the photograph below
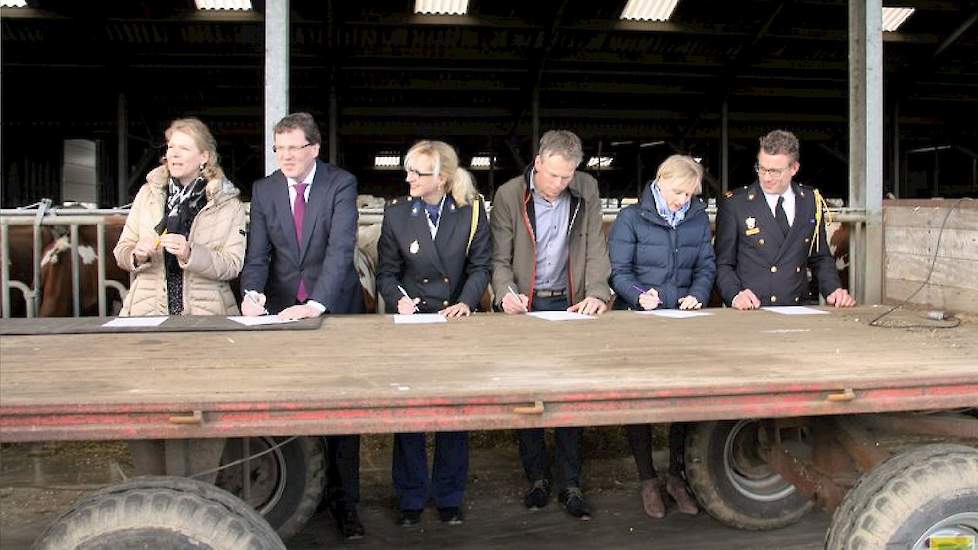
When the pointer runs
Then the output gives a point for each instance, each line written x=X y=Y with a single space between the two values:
x=184 y=239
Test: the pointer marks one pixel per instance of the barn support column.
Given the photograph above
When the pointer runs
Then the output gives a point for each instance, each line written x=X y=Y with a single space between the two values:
x=866 y=144
x=276 y=73
x=897 y=192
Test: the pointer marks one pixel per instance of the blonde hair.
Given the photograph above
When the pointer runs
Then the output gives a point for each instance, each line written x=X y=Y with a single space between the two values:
x=458 y=181
x=682 y=170
x=204 y=141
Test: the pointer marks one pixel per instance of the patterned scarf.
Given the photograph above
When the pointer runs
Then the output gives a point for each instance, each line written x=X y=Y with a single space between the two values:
x=182 y=206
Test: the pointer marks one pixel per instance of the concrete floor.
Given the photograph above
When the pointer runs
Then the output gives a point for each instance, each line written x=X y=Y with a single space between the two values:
x=38 y=482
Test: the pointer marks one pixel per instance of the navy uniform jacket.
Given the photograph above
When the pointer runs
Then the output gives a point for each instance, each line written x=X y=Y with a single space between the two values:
x=275 y=259
x=438 y=272
x=752 y=252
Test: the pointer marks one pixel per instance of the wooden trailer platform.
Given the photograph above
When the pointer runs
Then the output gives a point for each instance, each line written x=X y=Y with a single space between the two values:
x=363 y=374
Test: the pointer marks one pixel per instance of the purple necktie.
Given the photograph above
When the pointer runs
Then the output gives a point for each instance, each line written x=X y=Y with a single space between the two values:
x=299 y=216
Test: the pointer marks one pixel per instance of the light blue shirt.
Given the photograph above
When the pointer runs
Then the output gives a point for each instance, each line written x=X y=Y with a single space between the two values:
x=672 y=218
x=552 y=245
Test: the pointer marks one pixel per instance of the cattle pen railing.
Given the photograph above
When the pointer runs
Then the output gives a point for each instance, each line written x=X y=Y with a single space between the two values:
x=73 y=218
x=32 y=293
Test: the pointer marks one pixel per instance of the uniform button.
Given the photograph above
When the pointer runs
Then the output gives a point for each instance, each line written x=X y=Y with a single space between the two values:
x=774 y=299
x=445 y=303
x=425 y=281
x=760 y=242
x=446 y=280
x=806 y=240
x=774 y=269
x=796 y=298
x=797 y=270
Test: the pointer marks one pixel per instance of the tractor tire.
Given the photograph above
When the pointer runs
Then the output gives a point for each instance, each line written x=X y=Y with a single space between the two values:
x=286 y=484
x=928 y=491
x=160 y=513
x=733 y=483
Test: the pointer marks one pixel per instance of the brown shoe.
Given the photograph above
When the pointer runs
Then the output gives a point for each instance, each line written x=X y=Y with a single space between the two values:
x=652 y=499
x=676 y=488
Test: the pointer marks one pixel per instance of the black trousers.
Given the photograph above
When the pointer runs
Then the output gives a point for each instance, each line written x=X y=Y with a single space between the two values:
x=640 y=440
x=533 y=448
x=342 y=471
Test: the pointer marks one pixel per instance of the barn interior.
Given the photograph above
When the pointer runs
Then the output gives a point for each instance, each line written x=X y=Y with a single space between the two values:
x=89 y=87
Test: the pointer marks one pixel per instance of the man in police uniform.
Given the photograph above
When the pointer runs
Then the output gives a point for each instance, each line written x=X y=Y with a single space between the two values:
x=769 y=232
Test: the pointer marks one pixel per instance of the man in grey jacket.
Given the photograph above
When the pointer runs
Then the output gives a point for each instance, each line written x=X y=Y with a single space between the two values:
x=549 y=254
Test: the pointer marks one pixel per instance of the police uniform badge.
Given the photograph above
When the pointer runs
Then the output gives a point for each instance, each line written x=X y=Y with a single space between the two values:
x=414 y=247
x=752 y=228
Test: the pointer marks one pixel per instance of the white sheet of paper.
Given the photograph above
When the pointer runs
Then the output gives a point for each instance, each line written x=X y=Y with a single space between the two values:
x=419 y=319
x=796 y=310
x=129 y=322
x=559 y=315
x=675 y=313
x=258 y=321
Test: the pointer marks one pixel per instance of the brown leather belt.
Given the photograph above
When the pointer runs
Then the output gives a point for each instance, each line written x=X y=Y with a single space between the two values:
x=550 y=293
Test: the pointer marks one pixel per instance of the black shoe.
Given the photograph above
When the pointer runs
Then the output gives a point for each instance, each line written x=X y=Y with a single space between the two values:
x=348 y=522
x=409 y=518
x=451 y=515
x=538 y=495
x=573 y=501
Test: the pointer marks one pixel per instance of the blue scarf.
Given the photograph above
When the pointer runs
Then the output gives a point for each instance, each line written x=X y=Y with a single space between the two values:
x=672 y=218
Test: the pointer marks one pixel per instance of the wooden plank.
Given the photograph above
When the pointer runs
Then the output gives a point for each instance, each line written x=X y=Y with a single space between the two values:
x=948 y=272
x=364 y=374
x=949 y=298
x=964 y=217
x=955 y=243
x=367 y=358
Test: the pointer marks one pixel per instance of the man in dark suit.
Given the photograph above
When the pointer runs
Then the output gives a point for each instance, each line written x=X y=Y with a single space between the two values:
x=299 y=264
x=769 y=233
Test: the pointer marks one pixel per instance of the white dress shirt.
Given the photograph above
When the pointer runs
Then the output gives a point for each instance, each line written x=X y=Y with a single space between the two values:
x=789 y=204
x=307 y=180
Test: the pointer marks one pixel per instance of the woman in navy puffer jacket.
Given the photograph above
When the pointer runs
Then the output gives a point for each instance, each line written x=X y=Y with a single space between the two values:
x=661 y=256
x=661 y=247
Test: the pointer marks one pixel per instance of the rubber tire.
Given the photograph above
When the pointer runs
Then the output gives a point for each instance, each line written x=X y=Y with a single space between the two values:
x=899 y=499
x=717 y=495
x=304 y=485
x=160 y=512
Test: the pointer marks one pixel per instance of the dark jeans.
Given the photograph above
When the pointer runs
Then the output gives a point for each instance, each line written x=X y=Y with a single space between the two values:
x=533 y=448
x=449 y=471
x=640 y=440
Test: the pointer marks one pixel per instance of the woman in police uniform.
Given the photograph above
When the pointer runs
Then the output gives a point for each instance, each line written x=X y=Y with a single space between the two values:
x=434 y=257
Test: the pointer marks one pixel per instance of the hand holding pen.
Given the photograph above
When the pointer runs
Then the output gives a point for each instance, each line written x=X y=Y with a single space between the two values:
x=146 y=247
x=648 y=299
x=253 y=304
x=407 y=305
x=515 y=303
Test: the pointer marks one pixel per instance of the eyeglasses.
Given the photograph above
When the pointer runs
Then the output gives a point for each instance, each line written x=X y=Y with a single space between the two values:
x=289 y=148
x=415 y=173
x=776 y=172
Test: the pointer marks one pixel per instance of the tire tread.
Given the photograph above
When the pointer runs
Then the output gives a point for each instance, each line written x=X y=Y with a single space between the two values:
x=884 y=498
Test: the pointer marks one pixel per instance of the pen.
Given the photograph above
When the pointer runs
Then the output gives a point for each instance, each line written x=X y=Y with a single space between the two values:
x=253 y=296
x=639 y=289
x=404 y=292
x=517 y=296
x=160 y=237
